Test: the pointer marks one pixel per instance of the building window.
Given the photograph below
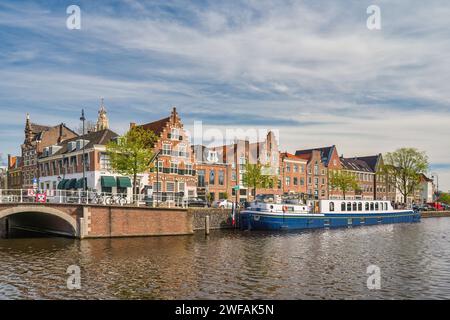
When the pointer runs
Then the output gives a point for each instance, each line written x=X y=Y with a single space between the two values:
x=160 y=166
x=157 y=186
x=182 y=150
x=302 y=181
x=174 y=167
x=167 y=149
x=316 y=169
x=295 y=181
x=233 y=175
x=295 y=168
x=288 y=181
x=221 y=178
x=181 y=186
x=212 y=177
x=201 y=178
x=288 y=168
x=175 y=134
x=189 y=169
x=170 y=186
x=105 y=163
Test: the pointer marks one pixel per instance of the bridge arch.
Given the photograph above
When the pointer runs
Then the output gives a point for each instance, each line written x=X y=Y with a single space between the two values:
x=42 y=209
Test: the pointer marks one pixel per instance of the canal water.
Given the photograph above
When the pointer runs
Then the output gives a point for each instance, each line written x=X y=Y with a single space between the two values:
x=414 y=261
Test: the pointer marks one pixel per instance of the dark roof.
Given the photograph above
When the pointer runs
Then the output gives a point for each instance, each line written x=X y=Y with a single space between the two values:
x=371 y=161
x=355 y=164
x=101 y=137
x=325 y=153
x=37 y=128
x=157 y=126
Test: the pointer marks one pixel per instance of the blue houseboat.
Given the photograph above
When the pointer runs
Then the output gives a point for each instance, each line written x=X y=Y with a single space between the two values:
x=323 y=214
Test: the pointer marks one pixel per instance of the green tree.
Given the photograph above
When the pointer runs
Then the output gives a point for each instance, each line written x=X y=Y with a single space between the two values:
x=132 y=153
x=445 y=198
x=343 y=181
x=254 y=177
x=405 y=167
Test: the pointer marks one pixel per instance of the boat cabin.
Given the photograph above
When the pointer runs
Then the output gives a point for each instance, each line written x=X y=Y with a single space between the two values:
x=354 y=206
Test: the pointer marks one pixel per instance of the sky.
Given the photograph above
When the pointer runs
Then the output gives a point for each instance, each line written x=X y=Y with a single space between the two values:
x=310 y=69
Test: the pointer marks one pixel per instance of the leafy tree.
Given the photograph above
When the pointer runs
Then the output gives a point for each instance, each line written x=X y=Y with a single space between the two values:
x=405 y=167
x=132 y=153
x=445 y=198
x=254 y=177
x=343 y=181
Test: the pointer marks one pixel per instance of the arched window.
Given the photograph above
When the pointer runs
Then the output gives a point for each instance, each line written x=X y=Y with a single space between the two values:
x=372 y=206
x=342 y=206
x=359 y=206
x=355 y=206
x=331 y=206
x=349 y=206
x=376 y=206
x=367 y=206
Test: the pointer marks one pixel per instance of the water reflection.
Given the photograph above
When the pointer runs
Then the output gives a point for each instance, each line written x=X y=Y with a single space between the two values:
x=323 y=264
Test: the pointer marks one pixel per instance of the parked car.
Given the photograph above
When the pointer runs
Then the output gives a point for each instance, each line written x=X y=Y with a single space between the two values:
x=223 y=204
x=197 y=202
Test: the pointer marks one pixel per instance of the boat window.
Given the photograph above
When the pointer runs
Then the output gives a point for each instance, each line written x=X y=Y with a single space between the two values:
x=355 y=206
x=371 y=206
x=367 y=206
x=342 y=206
x=376 y=206
x=331 y=206
x=359 y=206
x=386 y=206
x=349 y=206
x=271 y=207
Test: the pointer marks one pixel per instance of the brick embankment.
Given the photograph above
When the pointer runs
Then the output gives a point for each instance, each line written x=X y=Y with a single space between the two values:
x=219 y=218
x=435 y=214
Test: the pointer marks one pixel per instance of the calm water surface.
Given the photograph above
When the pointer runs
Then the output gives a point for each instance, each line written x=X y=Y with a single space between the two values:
x=324 y=264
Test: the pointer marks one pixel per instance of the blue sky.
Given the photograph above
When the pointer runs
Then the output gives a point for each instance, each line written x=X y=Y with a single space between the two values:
x=310 y=69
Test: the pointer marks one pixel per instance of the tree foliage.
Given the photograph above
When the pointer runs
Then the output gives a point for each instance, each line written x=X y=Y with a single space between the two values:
x=405 y=167
x=254 y=177
x=132 y=153
x=343 y=181
x=445 y=198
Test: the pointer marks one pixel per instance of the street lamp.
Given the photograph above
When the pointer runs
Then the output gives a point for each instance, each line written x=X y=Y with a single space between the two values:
x=83 y=119
x=437 y=182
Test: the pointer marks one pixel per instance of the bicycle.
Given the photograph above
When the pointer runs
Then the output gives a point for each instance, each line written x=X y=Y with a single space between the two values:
x=116 y=199
x=98 y=198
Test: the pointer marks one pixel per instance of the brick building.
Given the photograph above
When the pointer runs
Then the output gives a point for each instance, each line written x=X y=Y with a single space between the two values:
x=15 y=164
x=320 y=162
x=61 y=165
x=38 y=137
x=173 y=175
x=363 y=174
x=293 y=174
x=383 y=187
x=237 y=154
x=213 y=175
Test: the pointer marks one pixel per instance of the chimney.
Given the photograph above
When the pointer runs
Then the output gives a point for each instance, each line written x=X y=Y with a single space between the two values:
x=132 y=125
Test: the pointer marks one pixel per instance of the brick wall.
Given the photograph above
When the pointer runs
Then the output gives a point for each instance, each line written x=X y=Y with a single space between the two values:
x=130 y=221
x=219 y=218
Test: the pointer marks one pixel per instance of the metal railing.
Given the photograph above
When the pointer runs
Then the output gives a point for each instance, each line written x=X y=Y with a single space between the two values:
x=91 y=197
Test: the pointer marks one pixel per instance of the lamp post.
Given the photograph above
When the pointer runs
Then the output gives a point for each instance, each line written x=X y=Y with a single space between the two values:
x=83 y=119
x=437 y=183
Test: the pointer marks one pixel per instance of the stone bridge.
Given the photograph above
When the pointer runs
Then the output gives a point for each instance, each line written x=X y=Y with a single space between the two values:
x=95 y=221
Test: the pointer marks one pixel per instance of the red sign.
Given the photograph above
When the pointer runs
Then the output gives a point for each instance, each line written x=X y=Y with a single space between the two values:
x=41 y=198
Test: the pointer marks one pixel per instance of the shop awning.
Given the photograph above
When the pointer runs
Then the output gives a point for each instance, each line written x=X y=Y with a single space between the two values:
x=124 y=182
x=80 y=183
x=61 y=184
x=108 y=182
x=72 y=184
